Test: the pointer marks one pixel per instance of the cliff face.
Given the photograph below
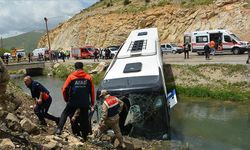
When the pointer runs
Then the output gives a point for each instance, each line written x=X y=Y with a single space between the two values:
x=103 y=26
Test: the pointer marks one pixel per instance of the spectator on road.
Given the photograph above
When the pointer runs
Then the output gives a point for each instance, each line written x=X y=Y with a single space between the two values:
x=207 y=51
x=96 y=55
x=29 y=56
x=19 y=56
x=248 y=57
x=187 y=48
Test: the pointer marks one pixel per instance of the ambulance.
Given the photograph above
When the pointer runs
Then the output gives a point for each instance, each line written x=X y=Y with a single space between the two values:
x=225 y=41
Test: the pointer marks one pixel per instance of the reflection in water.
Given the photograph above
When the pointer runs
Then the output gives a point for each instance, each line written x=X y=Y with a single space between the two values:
x=207 y=125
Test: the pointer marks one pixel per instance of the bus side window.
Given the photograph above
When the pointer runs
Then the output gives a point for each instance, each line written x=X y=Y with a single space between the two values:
x=227 y=38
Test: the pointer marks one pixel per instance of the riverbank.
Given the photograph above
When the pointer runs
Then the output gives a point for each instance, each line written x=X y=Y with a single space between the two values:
x=213 y=81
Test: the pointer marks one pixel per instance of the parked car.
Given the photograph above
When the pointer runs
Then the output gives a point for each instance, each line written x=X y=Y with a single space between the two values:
x=171 y=48
x=110 y=51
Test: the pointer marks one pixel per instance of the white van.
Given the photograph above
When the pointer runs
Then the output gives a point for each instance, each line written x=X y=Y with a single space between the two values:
x=39 y=51
x=225 y=41
x=136 y=76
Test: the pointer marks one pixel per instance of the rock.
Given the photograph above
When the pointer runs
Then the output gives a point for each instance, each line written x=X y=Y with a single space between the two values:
x=7 y=144
x=12 y=122
x=221 y=3
x=73 y=141
x=101 y=67
x=4 y=78
x=28 y=126
x=2 y=112
x=56 y=65
x=50 y=145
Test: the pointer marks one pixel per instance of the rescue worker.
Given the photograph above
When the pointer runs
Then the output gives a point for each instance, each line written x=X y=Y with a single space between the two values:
x=111 y=108
x=212 y=47
x=207 y=51
x=42 y=100
x=78 y=90
x=248 y=58
x=96 y=55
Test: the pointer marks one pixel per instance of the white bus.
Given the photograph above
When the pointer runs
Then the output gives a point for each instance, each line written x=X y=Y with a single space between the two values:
x=136 y=76
x=225 y=41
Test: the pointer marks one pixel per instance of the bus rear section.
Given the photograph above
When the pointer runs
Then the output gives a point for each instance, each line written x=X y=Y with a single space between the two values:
x=136 y=77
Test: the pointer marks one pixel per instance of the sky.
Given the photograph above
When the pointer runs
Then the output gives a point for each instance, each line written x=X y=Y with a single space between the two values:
x=20 y=16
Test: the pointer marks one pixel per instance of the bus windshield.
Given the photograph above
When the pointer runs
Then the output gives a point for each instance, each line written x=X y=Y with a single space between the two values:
x=235 y=37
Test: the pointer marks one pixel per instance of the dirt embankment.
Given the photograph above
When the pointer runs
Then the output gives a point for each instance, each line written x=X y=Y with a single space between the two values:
x=103 y=26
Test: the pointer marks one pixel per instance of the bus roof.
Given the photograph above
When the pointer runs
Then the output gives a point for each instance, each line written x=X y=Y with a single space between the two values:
x=140 y=43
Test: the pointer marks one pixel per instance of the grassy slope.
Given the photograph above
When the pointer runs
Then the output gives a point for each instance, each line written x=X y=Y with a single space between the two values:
x=28 y=41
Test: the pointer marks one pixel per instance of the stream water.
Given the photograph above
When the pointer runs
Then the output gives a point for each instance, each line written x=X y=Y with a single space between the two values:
x=203 y=124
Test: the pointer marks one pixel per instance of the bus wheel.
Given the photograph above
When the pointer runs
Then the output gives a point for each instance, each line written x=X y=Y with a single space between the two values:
x=236 y=51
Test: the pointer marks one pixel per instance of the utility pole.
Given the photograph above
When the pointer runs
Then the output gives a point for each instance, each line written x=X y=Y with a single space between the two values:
x=46 y=20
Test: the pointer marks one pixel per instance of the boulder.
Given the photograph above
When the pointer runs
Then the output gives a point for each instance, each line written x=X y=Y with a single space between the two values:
x=2 y=112
x=7 y=144
x=101 y=67
x=51 y=145
x=56 y=65
x=28 y=126
x=4 y=78
x=12 y=122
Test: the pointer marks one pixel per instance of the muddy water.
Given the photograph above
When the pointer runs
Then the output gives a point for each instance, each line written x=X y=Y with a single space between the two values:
x=211 y=125
x=203 y=124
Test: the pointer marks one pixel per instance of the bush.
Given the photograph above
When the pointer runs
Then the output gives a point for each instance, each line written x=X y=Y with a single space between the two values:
x=126 y=2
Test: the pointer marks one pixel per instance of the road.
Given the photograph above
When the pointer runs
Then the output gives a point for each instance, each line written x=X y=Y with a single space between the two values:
x=195 y=59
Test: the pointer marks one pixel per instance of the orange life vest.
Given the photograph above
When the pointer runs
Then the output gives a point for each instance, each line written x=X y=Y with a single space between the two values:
x=113 y=105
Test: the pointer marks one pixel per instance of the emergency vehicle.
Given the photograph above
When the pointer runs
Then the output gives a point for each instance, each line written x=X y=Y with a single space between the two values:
x=83 y=52
x=136 y=76
x=225 y=41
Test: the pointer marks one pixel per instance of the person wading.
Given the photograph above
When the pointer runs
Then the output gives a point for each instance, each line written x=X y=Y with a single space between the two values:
x=77 y=91
x=111 y=108
x=42 y=100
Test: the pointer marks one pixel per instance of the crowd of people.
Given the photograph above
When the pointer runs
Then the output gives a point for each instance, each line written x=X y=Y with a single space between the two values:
x=79 y=95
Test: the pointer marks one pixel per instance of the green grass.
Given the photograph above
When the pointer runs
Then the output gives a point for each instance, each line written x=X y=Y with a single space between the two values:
x=28 y=41
x=63 y=71
x=214 y=93
x=191 y=3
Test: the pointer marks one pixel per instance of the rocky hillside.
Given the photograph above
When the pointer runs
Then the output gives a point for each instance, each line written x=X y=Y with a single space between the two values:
x=101 y=26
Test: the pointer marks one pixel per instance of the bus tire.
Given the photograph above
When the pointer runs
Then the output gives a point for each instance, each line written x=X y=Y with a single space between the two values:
x=236 y=51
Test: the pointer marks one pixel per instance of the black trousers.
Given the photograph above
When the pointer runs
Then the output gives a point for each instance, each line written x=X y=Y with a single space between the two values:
x=42 y=111
x=81 y=125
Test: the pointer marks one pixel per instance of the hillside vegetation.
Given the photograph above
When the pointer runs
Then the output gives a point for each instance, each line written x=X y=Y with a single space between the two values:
x=28 y=41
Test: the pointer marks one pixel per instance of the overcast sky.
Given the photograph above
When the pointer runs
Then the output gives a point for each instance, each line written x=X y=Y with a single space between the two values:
x=20 y=16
